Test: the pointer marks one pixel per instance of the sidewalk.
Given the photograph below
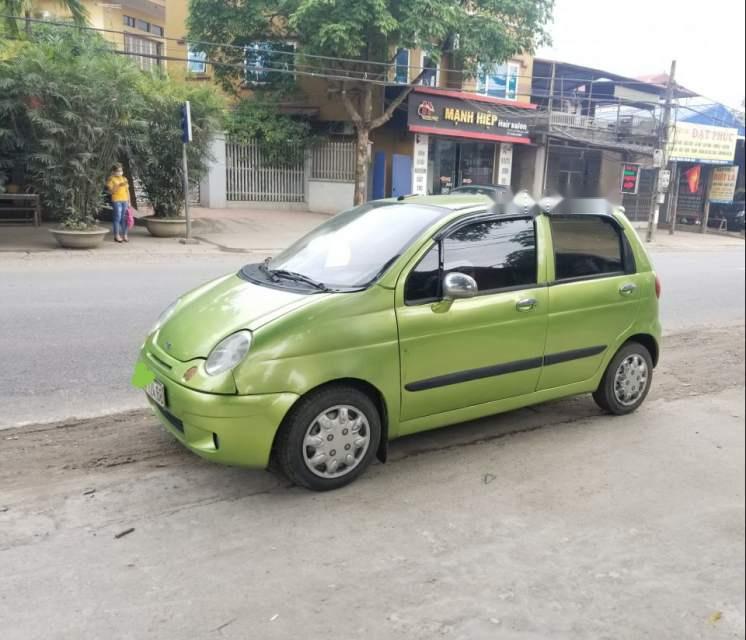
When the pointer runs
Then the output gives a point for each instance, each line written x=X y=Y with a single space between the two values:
x=693 y=241
x=258 y=231
x=217 y=230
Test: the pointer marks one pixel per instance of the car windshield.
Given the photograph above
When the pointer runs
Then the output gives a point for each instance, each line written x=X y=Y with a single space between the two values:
x=355 y=247
x=480 y=189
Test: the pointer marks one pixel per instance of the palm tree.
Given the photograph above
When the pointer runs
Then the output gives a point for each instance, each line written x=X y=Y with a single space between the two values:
x=25 y=9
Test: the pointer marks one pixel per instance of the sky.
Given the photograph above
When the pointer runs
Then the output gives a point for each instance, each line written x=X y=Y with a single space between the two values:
x=641 y=37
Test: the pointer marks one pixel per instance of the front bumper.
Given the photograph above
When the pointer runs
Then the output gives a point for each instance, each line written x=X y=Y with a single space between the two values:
x=229 y=429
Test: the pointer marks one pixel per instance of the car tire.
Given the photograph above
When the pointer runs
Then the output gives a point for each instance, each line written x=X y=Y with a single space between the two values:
x=329 y=438
x=626 y=381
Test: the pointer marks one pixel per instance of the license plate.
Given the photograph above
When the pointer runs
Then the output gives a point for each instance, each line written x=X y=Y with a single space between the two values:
x=157 y=392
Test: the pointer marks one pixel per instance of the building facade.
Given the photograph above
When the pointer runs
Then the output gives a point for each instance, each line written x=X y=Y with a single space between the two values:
x=136 y=27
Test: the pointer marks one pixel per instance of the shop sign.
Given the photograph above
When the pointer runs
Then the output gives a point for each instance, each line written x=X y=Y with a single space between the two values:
x=630 y=178
x=505 y=165
x=466 y=118
x=419 y=166
x=723 y=185
x=702 y=143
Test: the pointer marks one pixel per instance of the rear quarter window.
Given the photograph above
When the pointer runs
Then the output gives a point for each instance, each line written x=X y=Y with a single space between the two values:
x=587 y=246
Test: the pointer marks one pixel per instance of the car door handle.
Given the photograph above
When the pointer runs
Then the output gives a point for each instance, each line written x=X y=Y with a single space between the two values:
x=529 y=304
x=627 y=289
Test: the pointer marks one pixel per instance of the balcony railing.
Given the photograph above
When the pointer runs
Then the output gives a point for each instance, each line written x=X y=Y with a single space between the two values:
x=624 y=124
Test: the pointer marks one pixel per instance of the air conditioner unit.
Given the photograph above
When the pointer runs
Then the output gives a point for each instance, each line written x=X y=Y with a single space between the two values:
x=341 y=128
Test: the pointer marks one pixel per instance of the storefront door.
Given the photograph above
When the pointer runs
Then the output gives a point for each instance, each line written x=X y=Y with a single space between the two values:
x=476 y=163
x=453 y=163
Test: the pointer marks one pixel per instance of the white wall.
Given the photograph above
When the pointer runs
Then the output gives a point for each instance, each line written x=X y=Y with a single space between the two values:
x=330 y=197
x=214 y=185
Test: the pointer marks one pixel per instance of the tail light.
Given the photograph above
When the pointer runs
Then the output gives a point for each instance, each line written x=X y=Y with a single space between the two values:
x=658 y=287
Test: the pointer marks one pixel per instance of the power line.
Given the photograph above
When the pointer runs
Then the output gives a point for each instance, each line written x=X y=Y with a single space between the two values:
x=245 y=48
x=337 y=74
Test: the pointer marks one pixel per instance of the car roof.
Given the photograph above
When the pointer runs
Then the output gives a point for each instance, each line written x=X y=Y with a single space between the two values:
x=449 y=202
x=493 y=187
x=521 y=204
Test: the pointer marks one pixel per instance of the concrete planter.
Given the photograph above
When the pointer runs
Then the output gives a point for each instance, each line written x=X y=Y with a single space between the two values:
x=79 y=239
x=166 y=227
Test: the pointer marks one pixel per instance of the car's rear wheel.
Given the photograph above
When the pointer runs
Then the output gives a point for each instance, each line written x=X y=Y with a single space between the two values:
x=329 y=438
x=627 y=380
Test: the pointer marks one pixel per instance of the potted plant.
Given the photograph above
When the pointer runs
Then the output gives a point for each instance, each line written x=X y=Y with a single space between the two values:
x=158 y=160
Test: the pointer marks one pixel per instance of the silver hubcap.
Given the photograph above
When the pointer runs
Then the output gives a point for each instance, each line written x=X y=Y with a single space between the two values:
x=631 y=380
x=336 y=441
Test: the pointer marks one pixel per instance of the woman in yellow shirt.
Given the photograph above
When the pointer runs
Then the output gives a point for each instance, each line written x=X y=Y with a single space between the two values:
x=119 y=188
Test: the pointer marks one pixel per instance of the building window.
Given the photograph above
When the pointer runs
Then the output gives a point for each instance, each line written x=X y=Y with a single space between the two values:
x=146 y=53
x=500 y=82
x=401 y=73
x=143 y=25
x=430 y=71
x=269 y=63
x=197 y=62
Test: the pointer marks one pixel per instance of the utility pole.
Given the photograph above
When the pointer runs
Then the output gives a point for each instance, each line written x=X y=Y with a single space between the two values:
x=673 y=196
x=663 y=133
x=186 y=139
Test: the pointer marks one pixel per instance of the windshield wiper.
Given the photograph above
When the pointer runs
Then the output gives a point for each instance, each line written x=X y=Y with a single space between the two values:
x=276 y=274
x=298 y=277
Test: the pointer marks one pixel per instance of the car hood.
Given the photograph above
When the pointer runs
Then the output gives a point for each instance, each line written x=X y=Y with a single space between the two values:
x=220 y=308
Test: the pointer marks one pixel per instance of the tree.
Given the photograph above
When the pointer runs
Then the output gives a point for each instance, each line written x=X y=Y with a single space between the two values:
x=157 y=162
x=65 y=119
x=25 y=9
x=351 y=43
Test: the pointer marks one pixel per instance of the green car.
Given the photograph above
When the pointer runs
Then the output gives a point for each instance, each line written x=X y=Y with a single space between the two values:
x=401 y=316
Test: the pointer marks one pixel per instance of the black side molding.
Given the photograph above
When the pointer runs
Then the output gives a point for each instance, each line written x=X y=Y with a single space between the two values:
x=474 y=374
x=503 y=369
x=567 y=356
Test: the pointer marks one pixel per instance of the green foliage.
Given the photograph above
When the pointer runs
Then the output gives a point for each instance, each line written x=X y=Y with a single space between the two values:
x=65 y=117
x=20 y=11
x=488 y=31
x=158 y=163
x=70 y=108
x=281 y=138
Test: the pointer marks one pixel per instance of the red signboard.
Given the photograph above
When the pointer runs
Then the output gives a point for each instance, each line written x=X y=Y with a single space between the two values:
x=630 y=178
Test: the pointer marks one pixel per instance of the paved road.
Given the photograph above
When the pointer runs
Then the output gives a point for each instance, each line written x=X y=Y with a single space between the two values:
x=71 y=327
x=551 y=522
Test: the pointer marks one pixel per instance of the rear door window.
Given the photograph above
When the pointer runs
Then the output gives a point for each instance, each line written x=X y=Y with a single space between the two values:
x=586 y=247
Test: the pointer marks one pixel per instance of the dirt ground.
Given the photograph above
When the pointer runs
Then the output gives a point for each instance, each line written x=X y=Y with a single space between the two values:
x=553 y=521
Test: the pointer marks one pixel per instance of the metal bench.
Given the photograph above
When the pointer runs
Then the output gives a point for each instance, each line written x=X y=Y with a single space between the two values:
x=20 y=203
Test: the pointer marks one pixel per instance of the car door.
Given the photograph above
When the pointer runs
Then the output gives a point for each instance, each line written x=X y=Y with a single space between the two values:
x=477 y=350
x=594 y=296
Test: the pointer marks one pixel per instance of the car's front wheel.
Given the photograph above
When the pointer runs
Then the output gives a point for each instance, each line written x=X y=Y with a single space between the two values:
x=329 y=438
x=627 y=380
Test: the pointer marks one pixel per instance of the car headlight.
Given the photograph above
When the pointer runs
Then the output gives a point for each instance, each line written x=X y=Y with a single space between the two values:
x=228 y=353
x=167 y=313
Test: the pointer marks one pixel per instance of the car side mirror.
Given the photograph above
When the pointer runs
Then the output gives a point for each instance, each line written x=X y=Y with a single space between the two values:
x=459 y=285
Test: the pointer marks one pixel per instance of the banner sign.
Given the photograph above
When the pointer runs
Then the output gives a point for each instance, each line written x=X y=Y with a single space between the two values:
x=445 y=115
x=723 y=185
x=702 y=143
x=419 y=166
x=630 y=178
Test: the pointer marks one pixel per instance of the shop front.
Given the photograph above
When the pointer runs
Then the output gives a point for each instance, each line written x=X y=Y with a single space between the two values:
x=465 y=139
